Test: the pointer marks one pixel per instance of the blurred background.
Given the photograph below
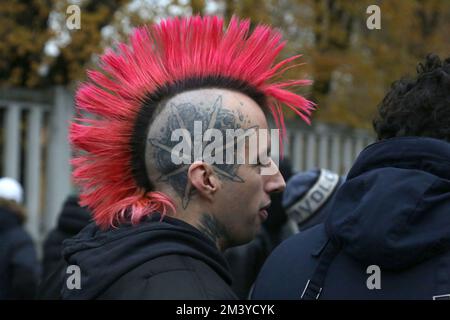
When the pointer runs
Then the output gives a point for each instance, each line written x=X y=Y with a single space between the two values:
x=42 y=60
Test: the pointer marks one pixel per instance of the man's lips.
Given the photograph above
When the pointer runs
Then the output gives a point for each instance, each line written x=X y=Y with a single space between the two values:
x=263 y=214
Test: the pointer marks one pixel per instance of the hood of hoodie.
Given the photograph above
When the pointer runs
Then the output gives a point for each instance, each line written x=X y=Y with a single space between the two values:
x=105 y=256
x=394 y=208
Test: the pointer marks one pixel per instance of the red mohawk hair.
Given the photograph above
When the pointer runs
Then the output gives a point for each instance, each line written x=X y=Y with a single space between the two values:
x=157 y=56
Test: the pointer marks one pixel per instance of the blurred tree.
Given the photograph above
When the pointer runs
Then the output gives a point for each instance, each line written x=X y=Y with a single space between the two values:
x=198 y=6
x=30 y=27
x=71 y=62
x=351 y=65
x=26 y=33
x=23 y=35
x=376 y=58
x=258 y=11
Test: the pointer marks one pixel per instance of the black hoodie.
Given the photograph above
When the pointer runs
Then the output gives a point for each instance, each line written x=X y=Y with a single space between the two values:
x=156 y=259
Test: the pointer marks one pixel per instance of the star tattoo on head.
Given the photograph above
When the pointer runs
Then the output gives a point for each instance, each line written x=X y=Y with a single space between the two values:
x=183 y=116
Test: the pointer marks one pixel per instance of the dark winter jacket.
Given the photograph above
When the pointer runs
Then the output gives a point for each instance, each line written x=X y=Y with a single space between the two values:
x=19 y=267
x=387 y=235
x=155 y=259
x=72 y=220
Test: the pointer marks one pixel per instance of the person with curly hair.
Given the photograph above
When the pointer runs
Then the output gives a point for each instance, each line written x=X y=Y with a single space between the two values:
x=387 y=234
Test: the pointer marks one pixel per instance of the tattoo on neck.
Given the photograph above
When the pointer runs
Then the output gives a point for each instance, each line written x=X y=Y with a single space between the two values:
x=214 y=229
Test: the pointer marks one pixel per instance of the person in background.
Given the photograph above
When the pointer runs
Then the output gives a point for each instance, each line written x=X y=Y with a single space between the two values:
x=72 y=219
x=387 y=234
x=307 y=197
x=19 y=267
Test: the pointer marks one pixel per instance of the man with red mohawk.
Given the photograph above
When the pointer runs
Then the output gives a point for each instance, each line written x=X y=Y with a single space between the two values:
x=161 y=218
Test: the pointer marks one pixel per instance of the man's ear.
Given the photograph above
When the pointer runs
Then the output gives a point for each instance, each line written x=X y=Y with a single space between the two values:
x=203 y=178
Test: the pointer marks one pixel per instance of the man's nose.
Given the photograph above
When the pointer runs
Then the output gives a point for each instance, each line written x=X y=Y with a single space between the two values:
x=275 y=182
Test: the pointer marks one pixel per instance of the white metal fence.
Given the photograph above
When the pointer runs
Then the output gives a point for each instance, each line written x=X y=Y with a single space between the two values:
x=35 y=150
x=331 y=147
